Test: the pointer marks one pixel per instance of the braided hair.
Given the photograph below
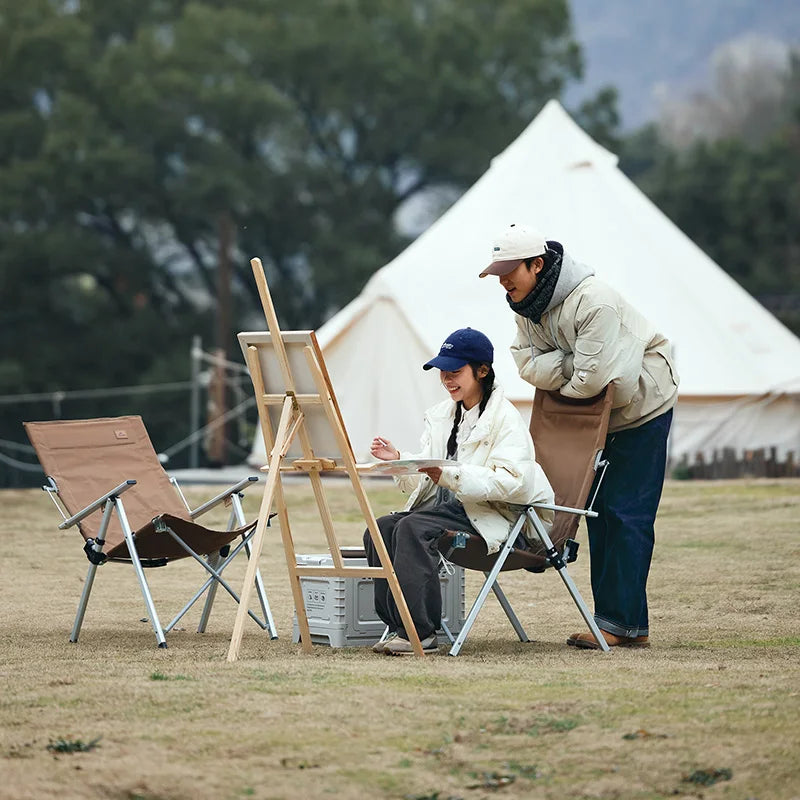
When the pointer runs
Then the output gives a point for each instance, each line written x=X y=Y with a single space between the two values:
x=487 y=384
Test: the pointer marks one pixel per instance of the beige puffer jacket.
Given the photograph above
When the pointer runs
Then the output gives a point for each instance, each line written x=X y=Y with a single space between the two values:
x=496 y=468
x=590 y=336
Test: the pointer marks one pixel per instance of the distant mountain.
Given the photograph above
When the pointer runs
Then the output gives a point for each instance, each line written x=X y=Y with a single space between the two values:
x=648 y=47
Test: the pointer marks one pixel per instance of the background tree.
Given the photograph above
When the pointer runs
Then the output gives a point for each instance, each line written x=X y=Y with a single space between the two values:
x=138 y=136
x=735 y=190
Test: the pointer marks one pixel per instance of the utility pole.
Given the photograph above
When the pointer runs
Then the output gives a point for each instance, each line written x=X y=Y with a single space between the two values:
x=217 y=448
x=194 y=407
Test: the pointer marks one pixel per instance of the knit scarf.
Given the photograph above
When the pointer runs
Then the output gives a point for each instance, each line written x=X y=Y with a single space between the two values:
x=535 y=304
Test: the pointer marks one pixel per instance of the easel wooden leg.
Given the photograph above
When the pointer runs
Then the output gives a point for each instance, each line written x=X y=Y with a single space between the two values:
x=282 y=441
x=294 y=578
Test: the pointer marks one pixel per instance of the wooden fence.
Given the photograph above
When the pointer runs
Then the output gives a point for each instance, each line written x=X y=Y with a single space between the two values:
x=726 y=463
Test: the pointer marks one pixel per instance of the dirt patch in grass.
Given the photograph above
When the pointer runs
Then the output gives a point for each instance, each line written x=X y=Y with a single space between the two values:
x=711 y=709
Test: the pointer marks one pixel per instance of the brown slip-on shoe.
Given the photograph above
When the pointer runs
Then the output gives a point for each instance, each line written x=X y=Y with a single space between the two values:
x=585 y=641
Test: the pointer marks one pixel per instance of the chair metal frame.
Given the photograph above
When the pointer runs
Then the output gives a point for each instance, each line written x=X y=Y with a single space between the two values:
x=555 y=559
x=111 y=503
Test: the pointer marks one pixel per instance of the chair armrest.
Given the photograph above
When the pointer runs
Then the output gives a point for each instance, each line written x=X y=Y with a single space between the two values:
x=92 y=507
x=215 y=501
x=581 y=512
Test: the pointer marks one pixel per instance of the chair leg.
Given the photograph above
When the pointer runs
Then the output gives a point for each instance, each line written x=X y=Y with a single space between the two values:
x=491 y=577
x=99 y=542
x=197 y=595
x=217 y=564
x=137 y=565
x=215 y=576
x=211 y=582
x=84 y=601
x=447 y=633
x=561 y=568
x=262 y=599
x=213 y=562
x=238 y=514
x=214 y=565
x=477 y=605
x=512 y=617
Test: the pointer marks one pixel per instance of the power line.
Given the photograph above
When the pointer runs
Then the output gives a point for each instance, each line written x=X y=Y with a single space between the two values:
x=22 y=465
x=216 y=360
x=82 y=394
x=26 y=448
x=211 y=425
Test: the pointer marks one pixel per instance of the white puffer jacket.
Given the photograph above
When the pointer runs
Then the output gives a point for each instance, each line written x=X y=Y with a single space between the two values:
x=496 y=468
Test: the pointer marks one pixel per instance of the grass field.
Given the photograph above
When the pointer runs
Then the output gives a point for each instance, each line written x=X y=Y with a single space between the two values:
x=711 y=710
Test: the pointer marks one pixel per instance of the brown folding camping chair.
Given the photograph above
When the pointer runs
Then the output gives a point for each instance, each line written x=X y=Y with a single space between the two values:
x=569 y=436
x=90 y=464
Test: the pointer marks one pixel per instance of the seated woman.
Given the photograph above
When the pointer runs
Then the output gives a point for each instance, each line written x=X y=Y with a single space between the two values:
x=494 y=469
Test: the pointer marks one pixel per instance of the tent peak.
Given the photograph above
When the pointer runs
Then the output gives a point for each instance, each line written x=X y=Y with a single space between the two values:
x=553 y=130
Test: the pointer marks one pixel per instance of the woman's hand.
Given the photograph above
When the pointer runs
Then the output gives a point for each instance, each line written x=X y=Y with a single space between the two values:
x=434 y=473
x=383 y=449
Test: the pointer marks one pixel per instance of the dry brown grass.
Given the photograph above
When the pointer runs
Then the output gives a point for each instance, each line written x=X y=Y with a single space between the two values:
x=719 y=689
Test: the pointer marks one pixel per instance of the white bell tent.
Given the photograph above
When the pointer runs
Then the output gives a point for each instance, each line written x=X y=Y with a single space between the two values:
x=739 y=367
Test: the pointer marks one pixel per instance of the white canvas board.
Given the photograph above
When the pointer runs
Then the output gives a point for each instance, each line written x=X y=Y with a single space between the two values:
x=323 y=439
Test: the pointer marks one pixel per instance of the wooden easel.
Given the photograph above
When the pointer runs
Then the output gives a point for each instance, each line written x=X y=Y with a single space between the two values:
x=293 y=423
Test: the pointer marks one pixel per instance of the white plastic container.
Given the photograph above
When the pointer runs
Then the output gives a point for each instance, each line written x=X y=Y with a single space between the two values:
x=341 y=611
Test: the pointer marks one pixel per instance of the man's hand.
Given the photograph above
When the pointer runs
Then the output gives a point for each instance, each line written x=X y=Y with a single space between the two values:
x=434 y=473
x=567 y=365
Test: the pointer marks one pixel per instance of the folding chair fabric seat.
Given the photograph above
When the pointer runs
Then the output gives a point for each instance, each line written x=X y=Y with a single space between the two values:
x=474 y=555
x=154 y=544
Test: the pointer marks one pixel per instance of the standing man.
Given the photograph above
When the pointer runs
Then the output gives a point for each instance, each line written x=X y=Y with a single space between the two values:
x=576 y=335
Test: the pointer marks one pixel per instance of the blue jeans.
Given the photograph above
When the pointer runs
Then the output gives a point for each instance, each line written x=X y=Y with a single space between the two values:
x=622 y=536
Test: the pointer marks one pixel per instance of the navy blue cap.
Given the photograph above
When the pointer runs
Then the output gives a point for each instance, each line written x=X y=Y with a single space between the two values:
x=461 y=347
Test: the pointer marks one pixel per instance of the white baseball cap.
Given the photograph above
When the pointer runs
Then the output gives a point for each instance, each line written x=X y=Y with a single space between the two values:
x=514 y=244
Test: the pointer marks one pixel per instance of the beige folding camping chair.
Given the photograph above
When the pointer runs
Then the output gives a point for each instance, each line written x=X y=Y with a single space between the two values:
x=90 y=464
x=569 y=436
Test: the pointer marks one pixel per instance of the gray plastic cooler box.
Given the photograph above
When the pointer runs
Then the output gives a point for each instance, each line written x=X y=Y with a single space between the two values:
x=341 y=611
